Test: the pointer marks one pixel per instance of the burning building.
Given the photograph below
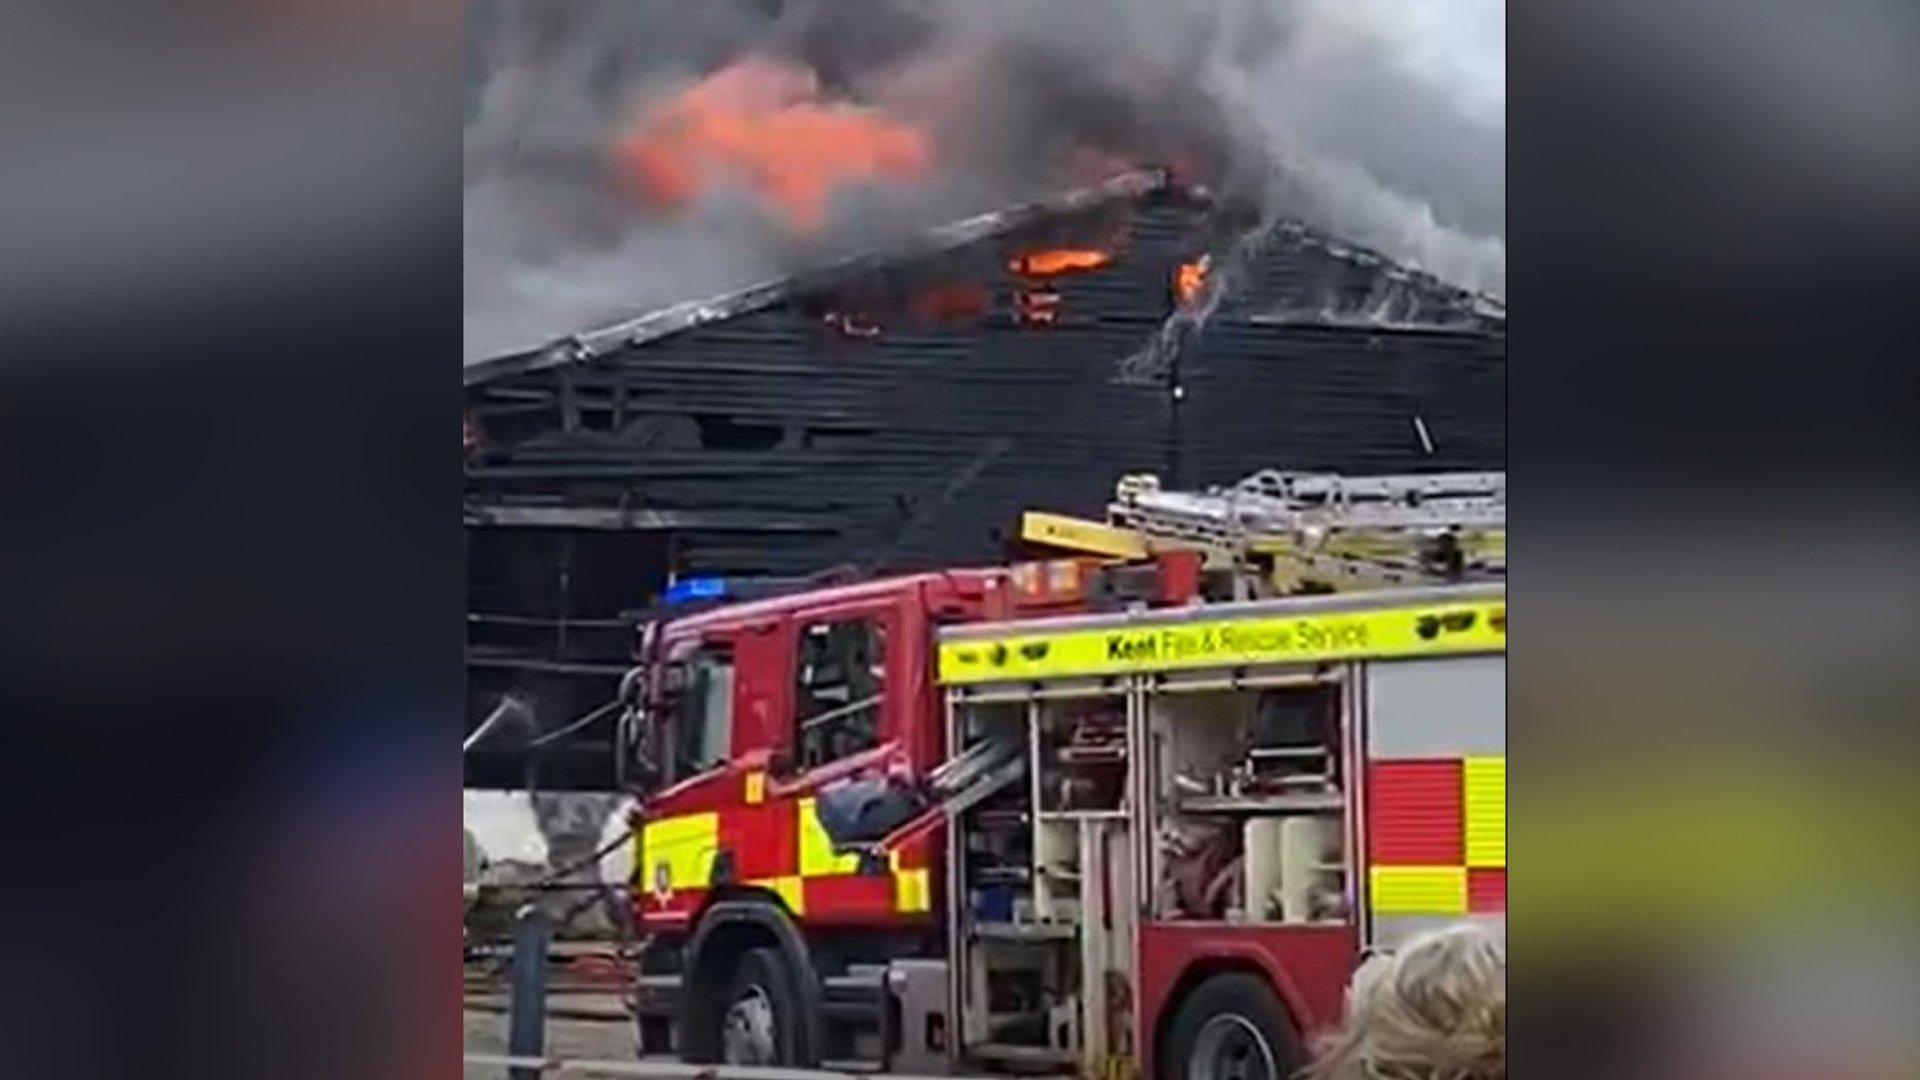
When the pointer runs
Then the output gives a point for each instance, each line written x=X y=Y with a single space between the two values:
x=900 y=409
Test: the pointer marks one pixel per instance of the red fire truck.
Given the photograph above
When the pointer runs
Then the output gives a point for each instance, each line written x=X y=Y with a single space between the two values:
x=1101 y=815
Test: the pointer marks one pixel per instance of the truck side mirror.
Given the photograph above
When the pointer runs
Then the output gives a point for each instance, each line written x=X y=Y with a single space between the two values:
x=633 y=688
x=634 y=767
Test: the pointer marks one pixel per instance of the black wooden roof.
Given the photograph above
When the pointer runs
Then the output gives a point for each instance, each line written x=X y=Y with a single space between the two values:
x=769 y=442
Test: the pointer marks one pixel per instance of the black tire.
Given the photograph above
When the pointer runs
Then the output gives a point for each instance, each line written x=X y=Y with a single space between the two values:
x=761 y=984
x=1230 y=1027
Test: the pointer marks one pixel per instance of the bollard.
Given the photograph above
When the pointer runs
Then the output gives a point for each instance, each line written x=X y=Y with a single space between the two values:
x=527 y=1010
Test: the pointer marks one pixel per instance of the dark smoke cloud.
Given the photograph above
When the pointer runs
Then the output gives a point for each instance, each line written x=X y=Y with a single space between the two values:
x=1354 y=117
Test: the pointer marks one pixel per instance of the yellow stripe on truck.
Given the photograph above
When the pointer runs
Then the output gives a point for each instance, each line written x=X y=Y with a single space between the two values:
x=1419 y=890
x=1425 y=630
x=790 y=888
x=912 y=888
x=817 y=858
x=912 y=891
x=686 y=845
x=1485 y=810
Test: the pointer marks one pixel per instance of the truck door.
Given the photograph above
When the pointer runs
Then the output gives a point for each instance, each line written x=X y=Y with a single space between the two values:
x=679 y=843
x=1435 y=812
x=845 y=729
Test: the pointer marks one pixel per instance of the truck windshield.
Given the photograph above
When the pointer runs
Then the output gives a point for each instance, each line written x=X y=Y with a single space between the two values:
x=704 y=716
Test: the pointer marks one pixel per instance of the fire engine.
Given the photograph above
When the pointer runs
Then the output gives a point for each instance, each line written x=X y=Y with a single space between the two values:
x=1138 y=809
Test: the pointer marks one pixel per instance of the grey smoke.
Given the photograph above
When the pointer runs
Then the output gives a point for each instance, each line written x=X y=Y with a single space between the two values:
x=1387 y=119
x=1377 y=121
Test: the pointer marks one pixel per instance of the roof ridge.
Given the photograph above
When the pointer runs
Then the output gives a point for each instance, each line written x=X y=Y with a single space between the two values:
x=686 y=315
x=1481 y=302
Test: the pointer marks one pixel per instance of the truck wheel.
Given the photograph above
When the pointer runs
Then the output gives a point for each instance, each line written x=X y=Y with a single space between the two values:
x=1230 y=1027
x=760 y=1022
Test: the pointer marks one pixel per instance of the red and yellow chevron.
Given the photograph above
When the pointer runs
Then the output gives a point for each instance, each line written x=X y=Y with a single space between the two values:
x=778 y=845
x=1437 y=836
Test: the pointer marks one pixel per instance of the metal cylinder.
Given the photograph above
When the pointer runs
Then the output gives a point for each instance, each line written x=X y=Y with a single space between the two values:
x=527 y=1009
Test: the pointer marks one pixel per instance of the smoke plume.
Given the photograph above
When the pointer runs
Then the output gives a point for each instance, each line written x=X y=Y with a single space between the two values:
x=627 y=154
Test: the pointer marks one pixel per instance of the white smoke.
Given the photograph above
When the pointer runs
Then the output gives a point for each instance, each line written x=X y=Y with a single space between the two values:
x=1388 y=122
x=1340 y=197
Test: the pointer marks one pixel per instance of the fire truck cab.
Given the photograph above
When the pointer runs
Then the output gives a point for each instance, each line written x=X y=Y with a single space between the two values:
x=744 y=719
x=1056 y=818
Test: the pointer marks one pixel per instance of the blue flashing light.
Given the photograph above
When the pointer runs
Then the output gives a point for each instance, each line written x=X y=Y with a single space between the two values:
x=687 y=590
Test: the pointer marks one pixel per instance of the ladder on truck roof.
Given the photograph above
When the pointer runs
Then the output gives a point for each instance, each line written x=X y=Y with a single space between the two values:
x=1308 y=530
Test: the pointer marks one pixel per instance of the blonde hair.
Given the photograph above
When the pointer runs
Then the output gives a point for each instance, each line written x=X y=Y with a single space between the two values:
x=1434 y=1010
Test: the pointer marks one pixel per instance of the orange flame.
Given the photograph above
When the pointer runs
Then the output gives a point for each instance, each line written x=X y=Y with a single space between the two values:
x=763 y=123
x=1053 y=261
x=1189 y=278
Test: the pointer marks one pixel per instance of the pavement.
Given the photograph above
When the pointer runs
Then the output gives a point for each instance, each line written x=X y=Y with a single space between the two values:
x=596 y=1040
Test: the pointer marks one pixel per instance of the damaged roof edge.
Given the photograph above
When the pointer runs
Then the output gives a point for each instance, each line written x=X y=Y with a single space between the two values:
x=587 y=345
x=1476 y=301
x=584 y=346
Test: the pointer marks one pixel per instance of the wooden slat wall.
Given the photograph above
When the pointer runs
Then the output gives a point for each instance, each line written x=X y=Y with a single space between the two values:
x=920 y=447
